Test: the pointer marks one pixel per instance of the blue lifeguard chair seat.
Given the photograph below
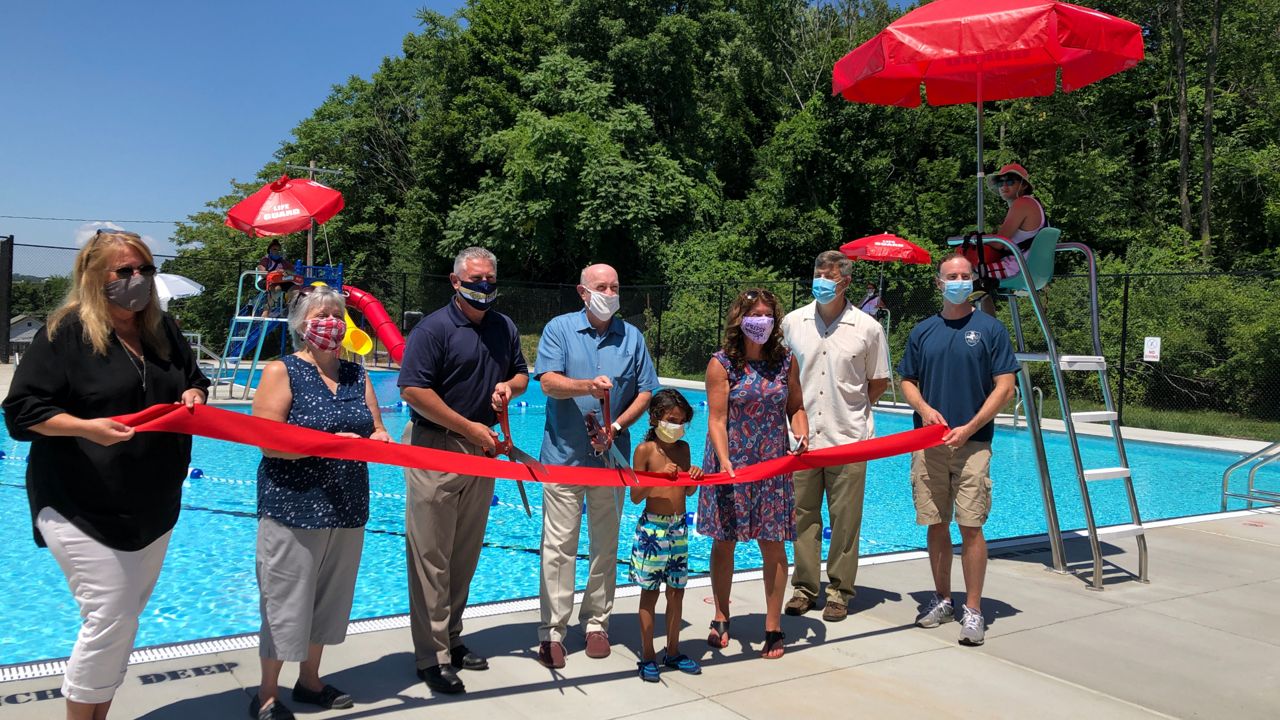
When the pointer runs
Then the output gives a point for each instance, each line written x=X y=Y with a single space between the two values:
x=1039 y=260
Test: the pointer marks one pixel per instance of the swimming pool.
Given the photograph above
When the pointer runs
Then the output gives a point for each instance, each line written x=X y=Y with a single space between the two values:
x=207 y=588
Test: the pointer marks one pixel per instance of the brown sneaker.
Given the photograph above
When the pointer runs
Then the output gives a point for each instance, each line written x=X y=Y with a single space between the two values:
x=834 y=611
x=551 y=654
x=598 y=644
x=799 y=605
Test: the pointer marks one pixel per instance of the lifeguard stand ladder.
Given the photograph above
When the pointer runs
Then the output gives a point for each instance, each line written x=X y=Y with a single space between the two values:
x=242 y=331
x=1058 y=364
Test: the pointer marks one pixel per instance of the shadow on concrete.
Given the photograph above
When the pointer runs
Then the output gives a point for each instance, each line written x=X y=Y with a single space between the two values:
x=1078 y=559
x=218 y=706
x=993 y=609
x=388 y=677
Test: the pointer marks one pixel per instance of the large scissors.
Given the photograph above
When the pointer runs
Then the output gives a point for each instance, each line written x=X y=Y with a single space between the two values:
x=505 y=447
x=613 y=457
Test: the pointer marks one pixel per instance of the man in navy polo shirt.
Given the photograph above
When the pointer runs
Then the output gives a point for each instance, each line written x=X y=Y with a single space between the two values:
x=958 y=370
x=582 y=357
x=461 y=363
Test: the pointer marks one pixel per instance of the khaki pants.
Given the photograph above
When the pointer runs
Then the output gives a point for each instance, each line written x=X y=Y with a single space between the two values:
x=561 y=526
x=445 y=518
x=843 y=486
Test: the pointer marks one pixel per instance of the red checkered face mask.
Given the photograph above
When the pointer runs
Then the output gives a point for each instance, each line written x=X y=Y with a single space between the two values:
x=325 y=333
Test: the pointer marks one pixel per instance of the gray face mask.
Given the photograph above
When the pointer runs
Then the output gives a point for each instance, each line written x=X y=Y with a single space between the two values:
x=132 y=294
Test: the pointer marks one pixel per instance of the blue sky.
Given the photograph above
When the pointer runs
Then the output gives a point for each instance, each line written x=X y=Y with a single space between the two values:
x=145 y=110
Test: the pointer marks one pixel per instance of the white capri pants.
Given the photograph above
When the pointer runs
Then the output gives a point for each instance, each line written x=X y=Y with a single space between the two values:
x=112 y=588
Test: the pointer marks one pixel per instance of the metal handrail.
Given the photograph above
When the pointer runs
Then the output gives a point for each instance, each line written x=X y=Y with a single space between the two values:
x=1037 y=398
x=1252 y=494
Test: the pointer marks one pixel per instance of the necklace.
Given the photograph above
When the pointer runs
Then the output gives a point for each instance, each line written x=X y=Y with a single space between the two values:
x=140 y=365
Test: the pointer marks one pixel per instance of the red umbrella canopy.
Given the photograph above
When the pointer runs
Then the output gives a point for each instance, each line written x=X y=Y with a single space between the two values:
x=285 y=206
x=886 y=248
x=1007 y=48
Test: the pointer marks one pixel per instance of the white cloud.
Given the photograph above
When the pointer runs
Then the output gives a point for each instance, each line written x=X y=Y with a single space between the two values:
x=87 y=230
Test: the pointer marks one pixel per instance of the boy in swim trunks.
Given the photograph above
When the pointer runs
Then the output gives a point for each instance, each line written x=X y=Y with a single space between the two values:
x=660 y=552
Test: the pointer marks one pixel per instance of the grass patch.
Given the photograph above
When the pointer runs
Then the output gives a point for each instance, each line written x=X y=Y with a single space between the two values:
x=1198 y=422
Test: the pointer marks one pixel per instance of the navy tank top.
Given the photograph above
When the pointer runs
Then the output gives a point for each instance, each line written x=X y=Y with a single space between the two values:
x=314 y=492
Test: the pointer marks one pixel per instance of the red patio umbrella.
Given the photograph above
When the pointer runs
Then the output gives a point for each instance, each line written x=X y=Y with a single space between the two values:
x=285 y=206
x=886 y=248
x=970 y=51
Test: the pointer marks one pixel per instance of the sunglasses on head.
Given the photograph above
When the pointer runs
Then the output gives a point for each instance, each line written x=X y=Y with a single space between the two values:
x=753 y=295
x=127 y=271
x=112 y=231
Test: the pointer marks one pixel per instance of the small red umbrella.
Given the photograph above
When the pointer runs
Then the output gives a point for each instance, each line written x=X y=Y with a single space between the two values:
x=886 y=248
x=285 y=206
x=970 y=51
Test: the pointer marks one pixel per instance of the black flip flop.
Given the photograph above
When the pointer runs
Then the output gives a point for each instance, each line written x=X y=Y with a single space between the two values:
x=719 y=628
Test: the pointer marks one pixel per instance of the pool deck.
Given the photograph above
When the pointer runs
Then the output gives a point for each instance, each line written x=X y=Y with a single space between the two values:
x=1201 y=640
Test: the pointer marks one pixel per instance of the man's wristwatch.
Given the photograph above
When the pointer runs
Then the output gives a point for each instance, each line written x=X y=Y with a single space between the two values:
x=617 y=429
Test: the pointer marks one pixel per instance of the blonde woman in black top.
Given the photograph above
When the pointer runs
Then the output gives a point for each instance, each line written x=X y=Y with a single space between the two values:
x=103 y=500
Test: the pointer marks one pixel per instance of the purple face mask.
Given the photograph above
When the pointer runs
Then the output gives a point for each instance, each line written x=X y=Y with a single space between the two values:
x=757 y=329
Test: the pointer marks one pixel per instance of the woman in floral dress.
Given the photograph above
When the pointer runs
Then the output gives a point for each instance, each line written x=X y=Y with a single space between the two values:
x=753 y=388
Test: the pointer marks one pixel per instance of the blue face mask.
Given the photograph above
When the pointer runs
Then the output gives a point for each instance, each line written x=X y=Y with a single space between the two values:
x=957 y=291
x=824 y=290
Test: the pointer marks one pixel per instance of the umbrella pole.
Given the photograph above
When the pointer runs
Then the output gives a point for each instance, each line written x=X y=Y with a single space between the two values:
x=981 y=173
x=311 y=229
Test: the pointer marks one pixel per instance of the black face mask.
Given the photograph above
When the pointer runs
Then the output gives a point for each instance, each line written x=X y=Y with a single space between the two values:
x=479 y=295
x=132 y=294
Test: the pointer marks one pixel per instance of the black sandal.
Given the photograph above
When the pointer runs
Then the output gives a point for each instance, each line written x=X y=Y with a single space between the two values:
x=718 y=638
x=772 y=638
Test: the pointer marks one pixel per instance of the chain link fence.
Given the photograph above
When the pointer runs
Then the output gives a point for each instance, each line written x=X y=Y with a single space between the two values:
x=1218 y=331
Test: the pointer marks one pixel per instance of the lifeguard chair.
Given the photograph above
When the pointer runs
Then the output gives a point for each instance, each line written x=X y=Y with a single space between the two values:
x=1038 y=265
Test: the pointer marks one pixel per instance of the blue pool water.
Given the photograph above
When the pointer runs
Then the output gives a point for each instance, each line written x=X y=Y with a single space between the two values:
x=207 y=588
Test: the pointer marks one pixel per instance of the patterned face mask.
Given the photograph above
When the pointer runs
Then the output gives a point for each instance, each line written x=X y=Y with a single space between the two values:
x=757 y=329
x=479 y=295
x=325 y=333
x=669 y=432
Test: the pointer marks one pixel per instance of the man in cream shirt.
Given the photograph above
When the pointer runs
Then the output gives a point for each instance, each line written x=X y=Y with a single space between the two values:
x=840 y=351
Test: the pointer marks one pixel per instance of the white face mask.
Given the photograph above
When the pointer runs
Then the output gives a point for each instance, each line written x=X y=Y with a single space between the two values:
x=603 y=306
x=669 y=432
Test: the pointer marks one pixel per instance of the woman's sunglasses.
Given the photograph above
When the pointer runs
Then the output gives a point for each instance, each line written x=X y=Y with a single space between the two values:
x=1008 y=180
x=112 y=231
x=126 y=272
x=753 y=295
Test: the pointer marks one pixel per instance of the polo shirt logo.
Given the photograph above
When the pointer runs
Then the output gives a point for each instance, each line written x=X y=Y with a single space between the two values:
x=972 y=337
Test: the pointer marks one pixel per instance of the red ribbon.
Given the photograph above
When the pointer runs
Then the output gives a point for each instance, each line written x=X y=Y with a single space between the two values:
x=213 y=422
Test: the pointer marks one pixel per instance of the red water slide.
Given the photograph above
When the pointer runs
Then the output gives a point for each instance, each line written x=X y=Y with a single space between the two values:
x=384 y=327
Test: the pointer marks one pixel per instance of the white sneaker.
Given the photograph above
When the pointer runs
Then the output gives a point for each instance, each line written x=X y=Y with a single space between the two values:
x=939 y=611
x=973 y=629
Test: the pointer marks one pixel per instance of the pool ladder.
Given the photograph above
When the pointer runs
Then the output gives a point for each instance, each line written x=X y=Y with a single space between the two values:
x=1058 y=365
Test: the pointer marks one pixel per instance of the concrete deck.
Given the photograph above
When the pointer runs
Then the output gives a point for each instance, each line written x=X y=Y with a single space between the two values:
x=1201 y=640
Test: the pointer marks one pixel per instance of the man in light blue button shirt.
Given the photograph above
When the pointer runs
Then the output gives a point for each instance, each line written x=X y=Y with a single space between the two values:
x=583 y=356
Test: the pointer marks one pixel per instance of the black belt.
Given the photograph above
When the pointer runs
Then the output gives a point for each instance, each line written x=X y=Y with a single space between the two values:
x=428 y=425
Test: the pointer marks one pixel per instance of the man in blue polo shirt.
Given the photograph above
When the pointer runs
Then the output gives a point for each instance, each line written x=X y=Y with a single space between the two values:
x=582 y=357
x=461 y=363
x=958 y=370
